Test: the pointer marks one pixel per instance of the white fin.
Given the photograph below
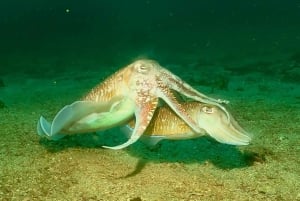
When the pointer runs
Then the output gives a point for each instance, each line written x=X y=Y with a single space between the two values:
x=81 y=111
x=43 y=128
x=70 y=114
x=118 y=115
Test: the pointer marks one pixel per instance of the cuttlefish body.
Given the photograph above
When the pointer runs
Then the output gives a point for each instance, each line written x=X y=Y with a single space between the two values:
x=213 y=121
x=132 y=91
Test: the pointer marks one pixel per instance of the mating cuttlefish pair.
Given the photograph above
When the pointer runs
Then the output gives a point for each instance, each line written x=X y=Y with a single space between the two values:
x=144 y=96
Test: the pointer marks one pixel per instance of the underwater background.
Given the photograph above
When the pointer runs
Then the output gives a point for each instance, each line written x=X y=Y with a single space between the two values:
x=247 y=52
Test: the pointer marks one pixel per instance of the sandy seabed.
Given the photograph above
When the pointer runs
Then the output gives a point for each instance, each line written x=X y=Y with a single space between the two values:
x=77 y=168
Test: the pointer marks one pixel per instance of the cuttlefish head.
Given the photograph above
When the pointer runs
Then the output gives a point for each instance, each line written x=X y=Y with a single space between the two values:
x=215 y=122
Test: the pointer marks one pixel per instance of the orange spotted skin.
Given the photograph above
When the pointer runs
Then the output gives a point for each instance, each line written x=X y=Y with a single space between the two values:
x=110 y=87
x=167 y=123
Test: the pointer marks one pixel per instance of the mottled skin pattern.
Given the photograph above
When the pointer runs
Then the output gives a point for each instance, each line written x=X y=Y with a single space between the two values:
x=144 y=82
x=111 y=87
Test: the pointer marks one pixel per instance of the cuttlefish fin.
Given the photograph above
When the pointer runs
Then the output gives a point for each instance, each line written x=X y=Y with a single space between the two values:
x=43 y=129
x=71 y=114
x=143 y=115
x=77 y=111
x=119 y=114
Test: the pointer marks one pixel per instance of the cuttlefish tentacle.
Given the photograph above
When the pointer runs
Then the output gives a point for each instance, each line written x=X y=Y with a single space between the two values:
x=171 y=100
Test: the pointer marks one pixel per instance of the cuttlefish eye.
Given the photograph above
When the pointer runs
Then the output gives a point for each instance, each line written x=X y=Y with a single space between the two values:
x=141 y=68
x=207 y=110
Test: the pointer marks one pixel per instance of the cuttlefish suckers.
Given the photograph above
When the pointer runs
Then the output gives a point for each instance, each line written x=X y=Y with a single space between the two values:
x=211 y=119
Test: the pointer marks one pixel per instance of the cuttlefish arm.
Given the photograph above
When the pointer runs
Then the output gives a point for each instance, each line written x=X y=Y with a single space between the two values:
x=144 y=111
x=212 y=120
x=177 y=84
x=86 y=116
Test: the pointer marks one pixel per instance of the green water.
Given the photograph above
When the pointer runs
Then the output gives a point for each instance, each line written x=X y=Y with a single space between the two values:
x=53 y=52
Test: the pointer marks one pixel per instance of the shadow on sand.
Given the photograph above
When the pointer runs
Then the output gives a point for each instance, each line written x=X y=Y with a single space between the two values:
x=200 y=150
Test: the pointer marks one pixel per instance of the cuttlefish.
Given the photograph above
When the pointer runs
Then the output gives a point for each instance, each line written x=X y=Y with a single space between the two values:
x=133 y=91
x=166 y=124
